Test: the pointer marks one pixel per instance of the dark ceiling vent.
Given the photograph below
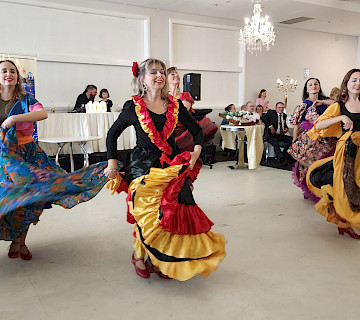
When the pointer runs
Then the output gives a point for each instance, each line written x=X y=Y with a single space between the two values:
x=296 y=20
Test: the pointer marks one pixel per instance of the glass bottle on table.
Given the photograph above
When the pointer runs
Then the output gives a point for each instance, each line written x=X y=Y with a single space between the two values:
x=52 y=106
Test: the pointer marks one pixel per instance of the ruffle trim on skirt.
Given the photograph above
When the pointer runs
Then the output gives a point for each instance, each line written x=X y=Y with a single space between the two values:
x=326 y=208
x=180 y=256
x=181 y=218
x=302 y=184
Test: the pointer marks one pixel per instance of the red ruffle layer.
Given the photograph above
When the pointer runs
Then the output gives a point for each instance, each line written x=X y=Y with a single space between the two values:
x=180 y=218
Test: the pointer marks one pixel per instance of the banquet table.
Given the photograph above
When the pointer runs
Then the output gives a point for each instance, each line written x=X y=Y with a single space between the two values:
x=70 y=125
x=62 y=141
x=255 y=145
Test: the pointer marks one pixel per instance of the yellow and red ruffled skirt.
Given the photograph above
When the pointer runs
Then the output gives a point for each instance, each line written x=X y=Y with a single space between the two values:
x=169 y=227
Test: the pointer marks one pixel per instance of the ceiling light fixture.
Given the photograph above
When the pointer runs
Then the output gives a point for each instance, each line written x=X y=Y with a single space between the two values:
x=258 y=31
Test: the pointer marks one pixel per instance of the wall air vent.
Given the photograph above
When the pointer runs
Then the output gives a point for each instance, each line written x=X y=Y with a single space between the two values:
x=296 y=20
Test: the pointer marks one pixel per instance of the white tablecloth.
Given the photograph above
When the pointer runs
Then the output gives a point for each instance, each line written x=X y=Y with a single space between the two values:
x=83 y=125
x=255 y=145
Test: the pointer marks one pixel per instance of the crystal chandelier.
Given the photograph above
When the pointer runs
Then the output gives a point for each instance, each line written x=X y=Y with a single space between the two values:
x=258 y=31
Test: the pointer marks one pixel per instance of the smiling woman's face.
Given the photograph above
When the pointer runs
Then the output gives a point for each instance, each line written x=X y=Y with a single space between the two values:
x=154 y=77
x=8 y=74
x=313 y=86
x=353 y=85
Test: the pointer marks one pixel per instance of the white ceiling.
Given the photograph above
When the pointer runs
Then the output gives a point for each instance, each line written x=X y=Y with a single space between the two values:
x=333 y=16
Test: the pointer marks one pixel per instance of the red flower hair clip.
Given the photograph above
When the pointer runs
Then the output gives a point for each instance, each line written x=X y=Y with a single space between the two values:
x=135 y=69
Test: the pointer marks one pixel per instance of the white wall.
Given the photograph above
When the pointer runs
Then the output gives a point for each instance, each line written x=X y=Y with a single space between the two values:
x=96 y=44
x=76 y=46
x=212 y=51
x=328 y=56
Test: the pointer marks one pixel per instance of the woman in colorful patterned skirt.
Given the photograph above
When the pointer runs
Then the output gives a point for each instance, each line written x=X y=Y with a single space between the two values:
x=169 y=226
x=30 y=181
x=336 y=179
x=304 y=150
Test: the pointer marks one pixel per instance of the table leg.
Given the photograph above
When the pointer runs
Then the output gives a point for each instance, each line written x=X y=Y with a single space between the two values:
x=71 y=158
x=241 y=143
x=86 y=155
x=60 y=146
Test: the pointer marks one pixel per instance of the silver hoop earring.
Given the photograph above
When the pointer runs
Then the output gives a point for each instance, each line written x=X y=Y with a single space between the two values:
x=144 y=86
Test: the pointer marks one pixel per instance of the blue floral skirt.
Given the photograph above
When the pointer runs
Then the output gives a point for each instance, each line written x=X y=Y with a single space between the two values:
x=31 y=182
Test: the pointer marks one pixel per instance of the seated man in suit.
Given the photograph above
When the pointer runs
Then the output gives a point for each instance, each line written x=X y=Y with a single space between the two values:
x=88 y=95
x=275 y=125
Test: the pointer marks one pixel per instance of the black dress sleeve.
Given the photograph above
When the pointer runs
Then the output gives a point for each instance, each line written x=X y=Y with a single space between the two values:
x=126 y=118
x=189 y=123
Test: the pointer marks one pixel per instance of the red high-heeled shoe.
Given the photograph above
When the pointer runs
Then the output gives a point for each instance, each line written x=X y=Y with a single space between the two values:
x=13 y=254
x=153 y=269
x=27 y=255
x=349 y=231
x=143 y=273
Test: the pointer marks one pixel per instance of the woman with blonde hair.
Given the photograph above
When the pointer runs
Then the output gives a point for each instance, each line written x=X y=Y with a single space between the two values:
x=169 y=227
x=335 y=93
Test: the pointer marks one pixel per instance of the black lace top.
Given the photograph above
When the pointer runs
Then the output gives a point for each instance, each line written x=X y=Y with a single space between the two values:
x=355 y=117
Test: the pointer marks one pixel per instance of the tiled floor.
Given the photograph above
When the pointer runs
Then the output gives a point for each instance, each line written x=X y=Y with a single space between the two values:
x=284 y=261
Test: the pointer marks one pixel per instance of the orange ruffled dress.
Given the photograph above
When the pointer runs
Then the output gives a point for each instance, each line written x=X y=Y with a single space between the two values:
x=336 y=179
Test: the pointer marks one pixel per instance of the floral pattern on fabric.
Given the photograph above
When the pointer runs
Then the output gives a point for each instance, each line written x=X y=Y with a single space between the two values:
x=295 y=118
x=31 y=182
x=305 y=150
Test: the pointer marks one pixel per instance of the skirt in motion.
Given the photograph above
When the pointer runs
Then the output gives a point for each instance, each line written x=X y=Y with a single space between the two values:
x=31 y=182
x=336 y=180
x=169 y=226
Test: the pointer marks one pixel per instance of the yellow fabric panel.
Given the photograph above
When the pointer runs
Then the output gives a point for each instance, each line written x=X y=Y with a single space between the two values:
x=208 y=248
x=114 y=184
x=149 y=189
x=339 y=204
x=340 y=199
x=326 y=208
x=332 y=131
x=185 y=270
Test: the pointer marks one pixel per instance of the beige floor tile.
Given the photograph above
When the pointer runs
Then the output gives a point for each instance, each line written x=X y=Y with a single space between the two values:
x=284 y=261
